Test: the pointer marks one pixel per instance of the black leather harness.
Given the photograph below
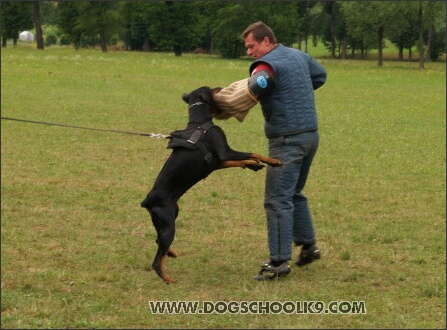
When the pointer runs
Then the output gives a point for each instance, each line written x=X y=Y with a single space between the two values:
x=191 y=138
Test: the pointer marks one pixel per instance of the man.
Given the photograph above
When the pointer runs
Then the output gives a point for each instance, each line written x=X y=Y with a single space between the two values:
x=291 y=127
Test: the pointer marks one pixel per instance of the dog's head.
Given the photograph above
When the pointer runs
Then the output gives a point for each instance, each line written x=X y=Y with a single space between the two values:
x=203 y=95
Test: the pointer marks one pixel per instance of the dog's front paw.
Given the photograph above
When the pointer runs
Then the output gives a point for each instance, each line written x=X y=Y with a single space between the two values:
x=274 y=162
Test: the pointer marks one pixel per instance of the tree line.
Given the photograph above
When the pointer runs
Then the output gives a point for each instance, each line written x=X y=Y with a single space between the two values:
x=347 y=29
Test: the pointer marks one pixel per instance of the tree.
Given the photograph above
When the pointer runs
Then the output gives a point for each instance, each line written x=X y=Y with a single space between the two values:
x=14 y=17
x=282 y=20
x=165 y=26
x=232 y=18
x=175 y=26
x=335 y=36
x=420 y=25
x=306 y=18
x=435 y=20
x=207 y=21
x=429 y=19
x=137 y=17
x=84 y=21
x=405 y=35
x=330 y=9
x=368 y=18
x=48 y=10
x=38 y=24
x=66 y=17
x=99 y=18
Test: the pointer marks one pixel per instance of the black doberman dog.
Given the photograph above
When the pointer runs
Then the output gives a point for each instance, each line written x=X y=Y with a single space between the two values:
x=197 y=151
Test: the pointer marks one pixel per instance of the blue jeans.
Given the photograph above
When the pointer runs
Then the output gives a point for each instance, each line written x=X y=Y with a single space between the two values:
x=288 y=215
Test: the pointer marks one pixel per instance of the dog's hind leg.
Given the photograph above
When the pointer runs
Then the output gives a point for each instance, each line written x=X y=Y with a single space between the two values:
x=171 y=253
x=158 y=265
x=162 y=252
x=165 y=227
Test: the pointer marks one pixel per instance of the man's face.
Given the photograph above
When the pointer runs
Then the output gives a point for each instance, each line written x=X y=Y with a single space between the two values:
x=257 y=49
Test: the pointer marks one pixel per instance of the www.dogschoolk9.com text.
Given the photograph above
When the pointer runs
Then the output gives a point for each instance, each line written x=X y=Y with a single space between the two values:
x=257 y=307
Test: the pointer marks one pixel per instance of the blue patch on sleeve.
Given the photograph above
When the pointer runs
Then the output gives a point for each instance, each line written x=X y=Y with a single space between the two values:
x=261 y=81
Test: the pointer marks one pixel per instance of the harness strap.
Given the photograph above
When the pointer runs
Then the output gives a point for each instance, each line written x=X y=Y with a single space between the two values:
x=191 y=138
x=195 y=139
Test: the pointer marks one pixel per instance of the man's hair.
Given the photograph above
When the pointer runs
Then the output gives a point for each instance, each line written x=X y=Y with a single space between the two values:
x=260 y=30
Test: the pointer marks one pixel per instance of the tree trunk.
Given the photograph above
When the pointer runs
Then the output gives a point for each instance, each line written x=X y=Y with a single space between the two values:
x=401 y=53
x=38 y=24
x=212 y=46
x=344 y=54
x=146 y=47
x=77 y=40
x=332 y=32
x=380 y=45
x=177 y=50
x=431 y=33
x=4 y=42
x=103 y=42
x=421 y=37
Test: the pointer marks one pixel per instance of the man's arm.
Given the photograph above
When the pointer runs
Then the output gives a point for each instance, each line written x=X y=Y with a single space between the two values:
x=261 y=81
x=317 y=74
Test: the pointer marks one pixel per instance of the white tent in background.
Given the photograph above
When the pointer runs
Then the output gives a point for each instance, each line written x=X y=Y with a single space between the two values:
x=26 y=36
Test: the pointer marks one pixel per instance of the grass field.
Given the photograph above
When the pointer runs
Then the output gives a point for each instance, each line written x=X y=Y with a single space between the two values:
x=77 y=248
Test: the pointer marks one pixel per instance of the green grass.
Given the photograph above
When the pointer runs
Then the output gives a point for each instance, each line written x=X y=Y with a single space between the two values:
x=77 y=248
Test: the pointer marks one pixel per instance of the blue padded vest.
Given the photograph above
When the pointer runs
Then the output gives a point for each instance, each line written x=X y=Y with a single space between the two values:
x=290 y=107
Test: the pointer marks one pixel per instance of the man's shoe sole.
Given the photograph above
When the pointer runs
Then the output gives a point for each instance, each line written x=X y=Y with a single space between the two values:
x=273 y=272
x=264 y=277
x=303 y=261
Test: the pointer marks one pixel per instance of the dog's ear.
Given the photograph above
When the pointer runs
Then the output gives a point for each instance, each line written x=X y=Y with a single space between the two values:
x=206 y=95
x=186 y=97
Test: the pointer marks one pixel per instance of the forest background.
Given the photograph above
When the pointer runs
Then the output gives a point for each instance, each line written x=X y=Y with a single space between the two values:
x=347 y=29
